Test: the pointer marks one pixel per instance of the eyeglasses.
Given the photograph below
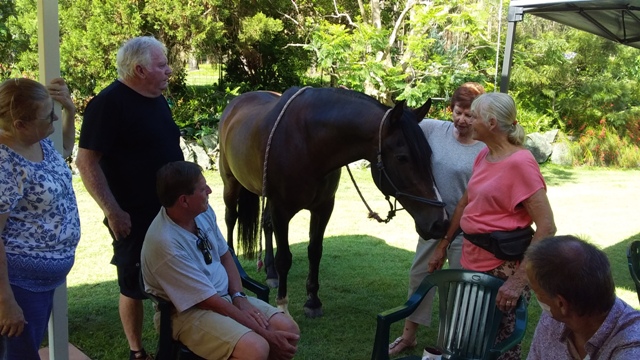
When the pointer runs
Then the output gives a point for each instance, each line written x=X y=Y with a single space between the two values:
x=50 y=117
x=204 y=245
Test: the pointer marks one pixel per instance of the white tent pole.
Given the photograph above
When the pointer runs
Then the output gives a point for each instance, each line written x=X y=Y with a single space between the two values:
x=49 y=63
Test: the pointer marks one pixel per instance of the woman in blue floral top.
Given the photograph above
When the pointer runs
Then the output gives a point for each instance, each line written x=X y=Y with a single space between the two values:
x=39 y=222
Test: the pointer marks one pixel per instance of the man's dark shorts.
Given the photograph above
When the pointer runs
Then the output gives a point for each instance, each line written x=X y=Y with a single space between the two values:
x=126 y=253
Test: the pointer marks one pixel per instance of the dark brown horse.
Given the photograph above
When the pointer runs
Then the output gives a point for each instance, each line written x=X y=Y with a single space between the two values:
x=319 y=131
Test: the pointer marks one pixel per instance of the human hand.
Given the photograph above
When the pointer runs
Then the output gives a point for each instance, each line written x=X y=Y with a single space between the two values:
x=120 y=223
x=509 y=293
x=60 y=92
x=437 y=259
x=251 y=311
x=281 y=345
x=12 y=320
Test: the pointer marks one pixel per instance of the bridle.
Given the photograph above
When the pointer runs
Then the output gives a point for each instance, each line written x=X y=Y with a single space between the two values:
x=398 y=194
x=383 y=171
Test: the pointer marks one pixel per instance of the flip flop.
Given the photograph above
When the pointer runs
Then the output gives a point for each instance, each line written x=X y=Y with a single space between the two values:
x=399 y=345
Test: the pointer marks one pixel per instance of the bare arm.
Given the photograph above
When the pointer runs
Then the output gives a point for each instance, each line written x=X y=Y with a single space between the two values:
x=11 y=318
x=88 y=163
x=60 y=93
x=437 y=259
x=538 y=207
x=246 y=314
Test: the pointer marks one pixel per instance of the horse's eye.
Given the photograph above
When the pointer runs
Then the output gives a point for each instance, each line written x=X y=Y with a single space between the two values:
x=402 y=158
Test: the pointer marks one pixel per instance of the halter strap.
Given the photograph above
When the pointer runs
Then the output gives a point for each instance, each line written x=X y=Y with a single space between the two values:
x=383 y=171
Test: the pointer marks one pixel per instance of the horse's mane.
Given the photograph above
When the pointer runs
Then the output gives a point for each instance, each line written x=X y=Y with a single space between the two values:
x=416 y=141
x=342 y=92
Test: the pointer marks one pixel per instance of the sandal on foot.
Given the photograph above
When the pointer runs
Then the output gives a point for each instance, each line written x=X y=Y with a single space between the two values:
x=399 y=345
x=139 y=355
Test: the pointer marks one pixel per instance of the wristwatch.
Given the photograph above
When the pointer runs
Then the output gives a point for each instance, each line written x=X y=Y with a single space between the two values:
x=238 y=294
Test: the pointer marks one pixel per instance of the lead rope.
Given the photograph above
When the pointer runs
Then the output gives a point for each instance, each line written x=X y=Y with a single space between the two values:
x=373 y=214
x=264 y=170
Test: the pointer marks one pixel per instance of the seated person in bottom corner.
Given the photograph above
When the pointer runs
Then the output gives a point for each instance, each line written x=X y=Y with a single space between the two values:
x=186 y=260
x=582 y=318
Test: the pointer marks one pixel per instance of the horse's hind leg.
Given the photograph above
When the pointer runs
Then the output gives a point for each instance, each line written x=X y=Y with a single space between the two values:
x=270 y=268
x=230 y=218
x=230 y=195
x=318 y=224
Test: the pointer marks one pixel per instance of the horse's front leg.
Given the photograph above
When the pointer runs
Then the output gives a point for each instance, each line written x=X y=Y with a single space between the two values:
x=318 y=224
x=270 y=268
x=283 y=257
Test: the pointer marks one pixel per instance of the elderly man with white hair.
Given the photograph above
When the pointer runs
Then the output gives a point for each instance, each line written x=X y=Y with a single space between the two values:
x=128 y=133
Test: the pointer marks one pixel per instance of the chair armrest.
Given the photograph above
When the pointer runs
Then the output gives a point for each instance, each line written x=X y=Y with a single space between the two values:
x=261 y=290
x=386 y=318
x=518 y=332
x=630 y=258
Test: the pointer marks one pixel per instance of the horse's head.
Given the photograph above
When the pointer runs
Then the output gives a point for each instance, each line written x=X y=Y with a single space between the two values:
x=403 y=169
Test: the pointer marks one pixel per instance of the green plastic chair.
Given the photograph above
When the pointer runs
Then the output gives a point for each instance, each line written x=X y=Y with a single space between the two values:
x=633 y=256
x=469 y=318
x=171 y=349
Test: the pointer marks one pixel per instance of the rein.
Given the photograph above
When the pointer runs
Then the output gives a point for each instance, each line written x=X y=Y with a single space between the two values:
x=380 y=166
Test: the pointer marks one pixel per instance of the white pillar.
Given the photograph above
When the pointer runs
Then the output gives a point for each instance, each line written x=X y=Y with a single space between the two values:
x=49 y=62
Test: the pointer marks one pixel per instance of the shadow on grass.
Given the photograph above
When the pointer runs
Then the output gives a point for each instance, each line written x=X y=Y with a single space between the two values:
x=619 y=266
x=555 y=175
x=94 y=322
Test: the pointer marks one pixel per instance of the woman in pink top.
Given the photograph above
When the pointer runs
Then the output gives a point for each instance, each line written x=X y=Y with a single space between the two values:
x=506 y=192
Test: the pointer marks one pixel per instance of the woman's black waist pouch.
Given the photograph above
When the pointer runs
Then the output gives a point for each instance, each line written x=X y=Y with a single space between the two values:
x=505 y=245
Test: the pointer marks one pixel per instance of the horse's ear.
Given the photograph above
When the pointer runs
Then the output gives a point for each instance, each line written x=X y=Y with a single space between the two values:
x=423 y=110
x=397 y=111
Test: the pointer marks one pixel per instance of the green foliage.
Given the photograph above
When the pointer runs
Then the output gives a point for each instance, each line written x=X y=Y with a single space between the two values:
x=434 y=55
x=561 y=78
x=7 y=11
x=91 y=33
x=602 y=147
x=259 y=57
x=20 y=23
x=575 y=79
x=197 y=109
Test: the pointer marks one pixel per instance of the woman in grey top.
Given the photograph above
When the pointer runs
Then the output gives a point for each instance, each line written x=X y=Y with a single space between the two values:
x=454 y=152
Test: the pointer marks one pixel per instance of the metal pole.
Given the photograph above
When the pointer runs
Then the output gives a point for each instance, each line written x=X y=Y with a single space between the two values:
x=515 y=15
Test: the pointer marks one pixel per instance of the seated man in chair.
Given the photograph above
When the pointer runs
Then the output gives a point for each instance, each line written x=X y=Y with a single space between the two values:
x=582 y=318
x=186 y=260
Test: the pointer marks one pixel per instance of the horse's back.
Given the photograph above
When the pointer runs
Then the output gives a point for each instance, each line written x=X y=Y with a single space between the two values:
x=243 y=131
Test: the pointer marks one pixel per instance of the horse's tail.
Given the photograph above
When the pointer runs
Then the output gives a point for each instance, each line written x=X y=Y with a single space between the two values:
x=248 y=222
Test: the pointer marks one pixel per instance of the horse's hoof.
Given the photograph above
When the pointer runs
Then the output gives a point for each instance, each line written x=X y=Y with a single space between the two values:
x=272 y=283
x=313 y=313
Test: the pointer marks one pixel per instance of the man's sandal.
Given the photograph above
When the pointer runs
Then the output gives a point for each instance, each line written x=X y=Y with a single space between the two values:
x=399 y=345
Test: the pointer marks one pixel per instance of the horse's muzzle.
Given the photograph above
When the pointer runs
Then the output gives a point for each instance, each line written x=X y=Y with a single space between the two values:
x=437 y=231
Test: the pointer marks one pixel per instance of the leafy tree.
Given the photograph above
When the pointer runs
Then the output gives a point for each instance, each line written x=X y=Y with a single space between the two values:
x=7 y=11
x=409 y=51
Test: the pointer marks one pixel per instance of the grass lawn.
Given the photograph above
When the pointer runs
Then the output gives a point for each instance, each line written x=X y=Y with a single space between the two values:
x=365 y=265
x=206 y=74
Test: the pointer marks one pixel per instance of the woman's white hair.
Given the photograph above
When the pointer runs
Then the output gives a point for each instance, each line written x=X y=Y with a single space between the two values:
x=136 y=51
x=500 y=106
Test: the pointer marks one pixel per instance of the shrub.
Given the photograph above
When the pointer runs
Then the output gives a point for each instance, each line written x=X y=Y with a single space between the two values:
x=602 y=147
x=197 y=109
